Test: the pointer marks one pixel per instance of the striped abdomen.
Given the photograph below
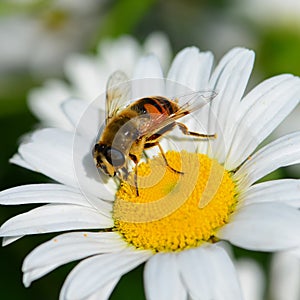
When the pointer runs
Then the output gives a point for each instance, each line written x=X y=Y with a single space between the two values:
x=154 y=105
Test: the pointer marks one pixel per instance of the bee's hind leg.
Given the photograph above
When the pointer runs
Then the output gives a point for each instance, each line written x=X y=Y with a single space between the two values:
x=186 y=131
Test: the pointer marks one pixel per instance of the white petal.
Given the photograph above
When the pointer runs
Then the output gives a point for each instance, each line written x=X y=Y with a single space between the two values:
x=78 y=68
x=116 y=54
x=262 y=117
x=252 y=279
x=45 y=103
x=66 y=159
x=53 y=218
x=66 y=248
x=222 y=65
x=203 y=272
x=50 y=152
x=290 y=124
x=196 y=273
x=85 y=117
x=229 y=81
x=105 y=291
x=263 y=227
x=148 y=67
x=10 y=239
x=282 y=152
x=189 y=71
x=73 y=109
x=49 y=193
x=264 y=88
x=72 y=246
x=225 y=275
x=37 y=273
x=205 y=65
x=285 y=277
x=238 y=62
x=147 y=78
x=162 y=279
x=18 y=160
x=284 y=190
x=42 y=193
x=104 y=269
x=159 y=44
x=89 y=179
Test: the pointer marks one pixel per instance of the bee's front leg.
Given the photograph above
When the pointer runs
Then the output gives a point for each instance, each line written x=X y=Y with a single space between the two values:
x=165 y=159
x=123 y=173
x=136 y=180
x=135 y=160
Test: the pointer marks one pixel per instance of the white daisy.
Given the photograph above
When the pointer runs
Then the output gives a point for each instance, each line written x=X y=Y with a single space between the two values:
x=180 y=242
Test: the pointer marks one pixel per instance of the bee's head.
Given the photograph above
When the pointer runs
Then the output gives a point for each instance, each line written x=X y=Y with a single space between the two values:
x=108 y=159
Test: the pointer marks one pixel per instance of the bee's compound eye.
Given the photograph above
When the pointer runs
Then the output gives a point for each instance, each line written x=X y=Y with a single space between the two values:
x=115 y=157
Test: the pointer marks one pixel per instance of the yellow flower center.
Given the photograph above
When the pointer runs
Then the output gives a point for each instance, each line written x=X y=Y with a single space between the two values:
x=174 y=211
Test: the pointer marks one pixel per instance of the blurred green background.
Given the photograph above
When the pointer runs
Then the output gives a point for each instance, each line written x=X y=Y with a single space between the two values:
x=216 y=25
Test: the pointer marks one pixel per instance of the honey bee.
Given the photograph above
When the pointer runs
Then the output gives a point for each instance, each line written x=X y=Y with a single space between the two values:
x=132 y=128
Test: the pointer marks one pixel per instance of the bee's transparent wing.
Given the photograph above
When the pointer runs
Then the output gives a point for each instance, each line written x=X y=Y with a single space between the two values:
x=118 y=91
x=194 y=100
x=188 y=103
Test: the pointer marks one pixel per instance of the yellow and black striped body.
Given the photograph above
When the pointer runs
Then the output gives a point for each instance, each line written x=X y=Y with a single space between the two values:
x=155 y=105
x=138 y=120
